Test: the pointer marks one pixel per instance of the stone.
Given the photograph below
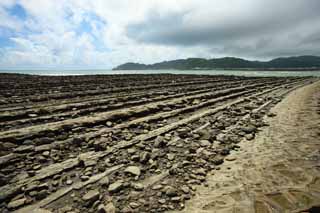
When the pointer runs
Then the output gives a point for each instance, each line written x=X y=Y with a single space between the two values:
x=84 y=177
x=199 y=171
x=45 y=140
x=225 y=151
x=134 y=205
x=105 y=181
x=42 y=194
x=24 y=149
x=162 y=201
x=69 y=182
x=183 y=132
x=170 y=191
x=91 y=196
x=17 y=203
x=249 y=129
x=132 y=151
x=185 y=189
x=7 y=146
x=176 y=199
x=43 y=148
x=134 y=170
x=110 y=208
x=221 y=137
x=159 y=142
x=230 y=158
x=205 y=143
x=171 y=156
x=88 y=163
x=115 y=187
x=46 y=153
x=144 y=157
x=271 y=114
x=137 y=186
x=217 y=161
x=36 y=167
x=109 y=124
x=249 y=137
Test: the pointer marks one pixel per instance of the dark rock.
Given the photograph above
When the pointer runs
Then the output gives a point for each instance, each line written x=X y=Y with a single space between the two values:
x=249 y=129
x=6 y=146
x=42 y=194
x=159 y=142
x=170 y=191
x=45 y=140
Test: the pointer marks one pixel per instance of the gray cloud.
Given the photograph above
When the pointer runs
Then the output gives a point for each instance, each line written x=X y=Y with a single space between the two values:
x=257 y=28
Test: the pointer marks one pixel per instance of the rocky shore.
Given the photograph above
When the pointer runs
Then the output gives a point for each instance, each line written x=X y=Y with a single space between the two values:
x=124 y=143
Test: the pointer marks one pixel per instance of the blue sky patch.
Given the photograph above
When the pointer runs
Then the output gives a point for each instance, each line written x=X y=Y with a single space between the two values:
x=17 y=11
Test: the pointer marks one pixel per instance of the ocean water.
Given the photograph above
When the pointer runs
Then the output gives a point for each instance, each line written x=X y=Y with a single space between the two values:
x=196 y=72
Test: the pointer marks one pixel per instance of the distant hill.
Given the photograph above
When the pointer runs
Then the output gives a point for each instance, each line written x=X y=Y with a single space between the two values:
x=289 y=63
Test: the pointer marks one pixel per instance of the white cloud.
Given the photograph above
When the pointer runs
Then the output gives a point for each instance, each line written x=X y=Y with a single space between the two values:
x=51 y=34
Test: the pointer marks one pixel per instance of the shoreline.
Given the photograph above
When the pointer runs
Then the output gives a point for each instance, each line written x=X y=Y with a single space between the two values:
x=275 y=172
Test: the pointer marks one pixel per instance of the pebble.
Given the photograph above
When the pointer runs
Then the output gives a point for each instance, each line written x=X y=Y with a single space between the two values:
x=134 y=170
x=46 y=153
x=205 y=143
x=110 y=208
x=115 y=187
x=109 y=124
x=170 y=191
x=17 y=203
x=144 y=157
x=24 y=148
x=230 y=158
x=84 y=177
x=249 y=137
x=105 y=181
x=170 y=156
x=69 y=182
x=185 y=189
x=91 y=196
x=137 y=186
x=176 y=199
x=159 y=142
x=134 y=205
x=36 y=167
x=162 y=201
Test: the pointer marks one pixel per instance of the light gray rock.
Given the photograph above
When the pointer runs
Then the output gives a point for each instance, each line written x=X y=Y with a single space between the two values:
x=105 y=181
x=17 y=203
x=115 y=187
x=134 y=170
x=91 y=196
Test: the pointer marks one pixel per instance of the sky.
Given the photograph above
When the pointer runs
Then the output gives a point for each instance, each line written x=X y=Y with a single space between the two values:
x=101 y=34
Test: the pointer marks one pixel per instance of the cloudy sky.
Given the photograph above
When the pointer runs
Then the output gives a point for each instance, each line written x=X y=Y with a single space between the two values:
x=87 y=34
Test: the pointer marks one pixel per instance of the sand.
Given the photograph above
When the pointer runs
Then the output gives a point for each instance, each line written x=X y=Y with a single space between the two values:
x=276 y=172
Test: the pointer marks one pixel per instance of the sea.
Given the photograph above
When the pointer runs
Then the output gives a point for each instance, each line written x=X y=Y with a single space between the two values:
x=195 y=72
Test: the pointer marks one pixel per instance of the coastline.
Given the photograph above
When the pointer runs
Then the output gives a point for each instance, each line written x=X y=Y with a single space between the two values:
x=275 y=172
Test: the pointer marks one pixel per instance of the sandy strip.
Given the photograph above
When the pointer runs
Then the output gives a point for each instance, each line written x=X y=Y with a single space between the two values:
x=277 y=172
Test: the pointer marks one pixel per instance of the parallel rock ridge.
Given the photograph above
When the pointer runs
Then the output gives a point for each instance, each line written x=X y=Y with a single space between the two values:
x=127 y=143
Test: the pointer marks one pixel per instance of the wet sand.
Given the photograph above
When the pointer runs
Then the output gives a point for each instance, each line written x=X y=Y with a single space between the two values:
x=278 y=171
x=156 y=143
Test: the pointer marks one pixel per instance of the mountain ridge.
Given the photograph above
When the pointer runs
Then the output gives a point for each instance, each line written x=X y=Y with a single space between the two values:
x=306 y=62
